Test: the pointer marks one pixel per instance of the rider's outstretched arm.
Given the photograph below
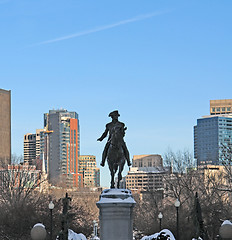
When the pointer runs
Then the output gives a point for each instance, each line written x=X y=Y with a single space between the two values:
x=103 y=135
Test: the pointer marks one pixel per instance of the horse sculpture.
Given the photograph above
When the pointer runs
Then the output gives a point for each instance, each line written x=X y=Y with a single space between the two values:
x=115 y=154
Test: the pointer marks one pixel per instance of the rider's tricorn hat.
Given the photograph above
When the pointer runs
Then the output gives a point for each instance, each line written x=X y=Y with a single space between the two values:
x=114 y=113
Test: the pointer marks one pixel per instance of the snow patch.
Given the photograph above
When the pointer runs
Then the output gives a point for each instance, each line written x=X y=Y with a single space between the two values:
x=39 y=225
x=116 y=196
x=74 y=236
x=227 y=222
x=164 y=233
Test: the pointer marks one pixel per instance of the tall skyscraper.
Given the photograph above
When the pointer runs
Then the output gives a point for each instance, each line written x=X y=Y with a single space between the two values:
x=29 y=148
x=32 y=146
x=223 y=106
x=5 y=127
x=62 y=147
x=39 y=134
x=88 y=168
x=210 y=133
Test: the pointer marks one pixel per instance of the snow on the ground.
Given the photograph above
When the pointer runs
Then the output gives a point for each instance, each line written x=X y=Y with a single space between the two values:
x=164 y=232
x=74 y=236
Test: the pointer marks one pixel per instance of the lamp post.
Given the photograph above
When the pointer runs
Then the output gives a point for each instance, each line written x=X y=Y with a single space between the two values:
x=95 y=228
x=177 y=205
x=95 y=225
x=160 y=216
x=51 y=206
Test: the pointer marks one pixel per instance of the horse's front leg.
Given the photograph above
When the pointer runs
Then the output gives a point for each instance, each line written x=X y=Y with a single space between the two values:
x=119 y=175
x=121 y=167
x=119 y=179
x=112 y=178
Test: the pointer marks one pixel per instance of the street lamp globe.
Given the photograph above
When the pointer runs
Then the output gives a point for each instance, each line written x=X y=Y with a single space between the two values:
x=160 y=216
x=225 y=231
x=177 y=203
x=38 y=232
x=51 y=205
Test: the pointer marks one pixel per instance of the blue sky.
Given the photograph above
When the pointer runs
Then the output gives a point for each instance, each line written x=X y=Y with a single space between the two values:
x=157 y=62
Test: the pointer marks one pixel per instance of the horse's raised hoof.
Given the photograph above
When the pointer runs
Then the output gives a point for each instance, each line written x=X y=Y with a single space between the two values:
x=129 y=164
x=102 y=164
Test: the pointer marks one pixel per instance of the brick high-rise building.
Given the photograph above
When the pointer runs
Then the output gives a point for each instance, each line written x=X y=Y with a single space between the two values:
x=62 y=147
x=5 y=127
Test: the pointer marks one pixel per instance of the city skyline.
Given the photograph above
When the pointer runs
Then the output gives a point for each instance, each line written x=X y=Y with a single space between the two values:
x=159 y=64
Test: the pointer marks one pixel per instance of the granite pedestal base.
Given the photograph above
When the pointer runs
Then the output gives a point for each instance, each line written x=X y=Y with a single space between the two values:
x=116 y=214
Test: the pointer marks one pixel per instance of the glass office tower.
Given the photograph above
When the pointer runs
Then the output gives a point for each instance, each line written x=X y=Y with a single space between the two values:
x=210 y=133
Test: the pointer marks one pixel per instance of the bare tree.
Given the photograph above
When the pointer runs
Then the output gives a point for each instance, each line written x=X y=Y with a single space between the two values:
x=19 y=198
x=225 y=152
x=183 y=184
x=17 y=183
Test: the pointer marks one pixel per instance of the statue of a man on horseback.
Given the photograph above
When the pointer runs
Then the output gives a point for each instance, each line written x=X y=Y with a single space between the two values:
x=115 y=149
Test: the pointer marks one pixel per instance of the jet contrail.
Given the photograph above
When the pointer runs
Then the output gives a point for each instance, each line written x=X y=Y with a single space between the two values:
x=101 y=28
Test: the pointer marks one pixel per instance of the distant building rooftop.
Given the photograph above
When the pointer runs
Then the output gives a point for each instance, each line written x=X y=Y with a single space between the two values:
x=229 y=115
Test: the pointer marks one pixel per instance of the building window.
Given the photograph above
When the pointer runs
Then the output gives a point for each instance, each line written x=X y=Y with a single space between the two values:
x=213 y=109
x=218 y=109
x=228 y=109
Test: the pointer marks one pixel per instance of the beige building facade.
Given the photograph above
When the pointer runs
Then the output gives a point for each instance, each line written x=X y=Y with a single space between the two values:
x=5 y=127
x=219 y=172
x=141 y=180
x=221 y=175
x=152 y=160
x=223 y=106
x=88 y=168
x=147 y=173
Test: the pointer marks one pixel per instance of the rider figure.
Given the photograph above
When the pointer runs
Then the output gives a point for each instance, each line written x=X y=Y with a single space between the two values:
x=109 y=127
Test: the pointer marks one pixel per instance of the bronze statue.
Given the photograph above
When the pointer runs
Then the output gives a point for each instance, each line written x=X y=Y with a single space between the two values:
x=115 y=149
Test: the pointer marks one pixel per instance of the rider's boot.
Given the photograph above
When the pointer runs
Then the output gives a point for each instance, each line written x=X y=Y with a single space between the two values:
x=128 y=162
x=102 y=163
x=127 y=157
x=126 y=153
x=104 y=154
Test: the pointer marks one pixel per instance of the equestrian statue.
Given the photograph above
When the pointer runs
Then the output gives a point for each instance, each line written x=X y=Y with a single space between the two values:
x=115 y=150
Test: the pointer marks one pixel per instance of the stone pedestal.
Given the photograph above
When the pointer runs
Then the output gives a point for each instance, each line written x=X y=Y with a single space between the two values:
x=116 y=220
